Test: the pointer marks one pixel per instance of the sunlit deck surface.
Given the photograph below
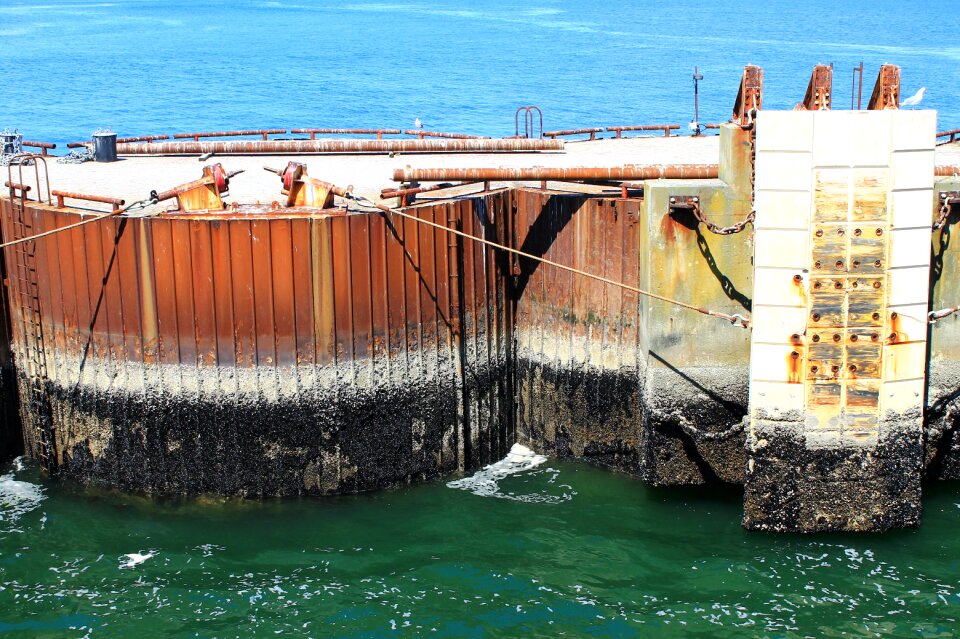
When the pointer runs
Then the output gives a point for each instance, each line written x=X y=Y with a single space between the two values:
x=133 y=177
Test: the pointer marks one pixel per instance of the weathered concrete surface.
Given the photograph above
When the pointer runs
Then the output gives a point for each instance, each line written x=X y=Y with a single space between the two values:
x=695 y=387
x=132 y=178
x=942 y=441
x=839 y=335
x=792 y=487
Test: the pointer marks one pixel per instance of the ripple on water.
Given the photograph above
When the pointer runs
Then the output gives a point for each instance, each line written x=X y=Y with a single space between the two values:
x=520 y=461
x=17 y=498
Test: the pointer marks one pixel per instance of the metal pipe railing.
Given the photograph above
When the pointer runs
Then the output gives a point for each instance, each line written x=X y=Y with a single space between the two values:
x=666 y=128
x=337 y=146
x=225 y=134
x=560 y=174
x=61 y=195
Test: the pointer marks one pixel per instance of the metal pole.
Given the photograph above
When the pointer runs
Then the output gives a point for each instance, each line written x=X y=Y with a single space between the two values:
x=696 y=100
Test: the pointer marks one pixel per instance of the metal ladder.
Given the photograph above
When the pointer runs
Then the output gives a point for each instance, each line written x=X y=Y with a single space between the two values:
x=26 y=290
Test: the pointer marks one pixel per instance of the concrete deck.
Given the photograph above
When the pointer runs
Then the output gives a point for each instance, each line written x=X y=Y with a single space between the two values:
x=133 y=177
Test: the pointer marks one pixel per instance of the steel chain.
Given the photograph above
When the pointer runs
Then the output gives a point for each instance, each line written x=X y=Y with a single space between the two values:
x=696 y=433
x=723 y=230
x=77 y=156
x=945 y=209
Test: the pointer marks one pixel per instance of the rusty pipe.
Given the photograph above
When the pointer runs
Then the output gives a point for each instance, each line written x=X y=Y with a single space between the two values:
x=441 y=134
x=177 y=190
x=60 y=195
x=45 y=146
x=225 y=134
x=17 y=186
x=139 y=138
x=349 y=131
x=388 y=193
x=275 y=147
x=562 y=174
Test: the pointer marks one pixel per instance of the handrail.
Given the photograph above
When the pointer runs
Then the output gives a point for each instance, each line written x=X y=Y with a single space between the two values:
x=60 y=195
x=378 y=132
x=591 y=130
x=666 y=128
x=226 y=134
x=440 y=134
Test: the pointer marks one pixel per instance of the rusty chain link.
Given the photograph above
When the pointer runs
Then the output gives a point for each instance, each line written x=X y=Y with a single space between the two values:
x=945 y=209
x=723 y=230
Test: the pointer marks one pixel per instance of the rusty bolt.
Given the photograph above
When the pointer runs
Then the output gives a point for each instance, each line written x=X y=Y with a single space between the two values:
x=835 y=368
x=839 y=263
x=857 y=232
x=816 y=317
x=816 y=338
x=877 y=263
x=879 y=232
x=853 y=368
x=876 y=285
x=893 y=337
x=840 y=231
x=795 y=338
x=816 y=264
x=794 y=354
x=894 y=315
x=855 y=284
x=814 y=369
x=798 y=278
x=856 y=264
x=875 y=316
x=836 y=337
x=874 y=337
x=853 y=338
x=816 y=285
x=838 y=284
x=819 y=233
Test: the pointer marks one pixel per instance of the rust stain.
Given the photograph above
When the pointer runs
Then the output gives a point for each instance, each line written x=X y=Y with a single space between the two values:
x=148 y=300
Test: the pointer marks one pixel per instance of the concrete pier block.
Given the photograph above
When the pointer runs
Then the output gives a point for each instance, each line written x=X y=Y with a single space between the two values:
x=836 y=399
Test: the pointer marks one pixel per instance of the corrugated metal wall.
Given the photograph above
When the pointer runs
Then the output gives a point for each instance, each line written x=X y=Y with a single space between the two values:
x=182 y=351
x=580 y=360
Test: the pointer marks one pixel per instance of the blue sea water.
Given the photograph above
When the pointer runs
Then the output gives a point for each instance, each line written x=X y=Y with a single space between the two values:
x=163 y=66
x=561 y=550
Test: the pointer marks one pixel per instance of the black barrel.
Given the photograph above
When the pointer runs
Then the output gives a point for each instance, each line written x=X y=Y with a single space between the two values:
x=105 y=147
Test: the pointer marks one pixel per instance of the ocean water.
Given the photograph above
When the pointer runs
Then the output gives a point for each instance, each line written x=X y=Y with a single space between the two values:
x=535 y=548
x=548 y=549
x=165 y=66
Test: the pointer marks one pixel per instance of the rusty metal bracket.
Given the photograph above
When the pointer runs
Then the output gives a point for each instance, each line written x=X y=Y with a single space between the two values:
x=200 y=195
x=819 y=90
x=948 y=199
x=692 y=203
x=749 y=97
x=684 y=203
x=886 y=92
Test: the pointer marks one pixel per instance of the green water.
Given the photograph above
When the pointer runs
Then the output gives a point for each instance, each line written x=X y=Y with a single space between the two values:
x=560 y=550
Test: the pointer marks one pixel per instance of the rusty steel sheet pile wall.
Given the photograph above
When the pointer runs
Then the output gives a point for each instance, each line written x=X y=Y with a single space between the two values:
x=268 y=353
x=579 y=360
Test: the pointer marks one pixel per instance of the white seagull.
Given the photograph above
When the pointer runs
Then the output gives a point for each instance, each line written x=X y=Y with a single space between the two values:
x=417 y=123
x=914 y=99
